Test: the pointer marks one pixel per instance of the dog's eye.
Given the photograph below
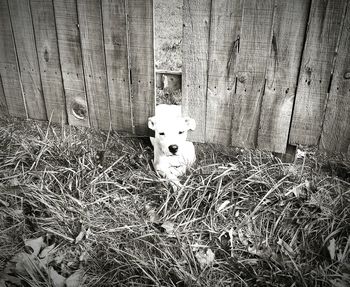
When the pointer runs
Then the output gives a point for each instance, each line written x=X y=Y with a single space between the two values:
x=161 y=134
x=181 y=132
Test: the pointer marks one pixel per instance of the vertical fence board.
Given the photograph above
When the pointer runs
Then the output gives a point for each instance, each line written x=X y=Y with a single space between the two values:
x=49 y=63
x=115 y=36
x=71 y=61
x=27 y=58
x=89 y=12
x=196 y=28
x=315 y=71
x=8 y=65
x=289 y=26
x=3 y=104
x=253 y=52
x=225 y=27
x=336 y=128
x=141 y=54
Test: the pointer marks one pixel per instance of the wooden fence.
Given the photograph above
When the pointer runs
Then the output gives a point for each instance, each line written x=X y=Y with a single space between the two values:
x=256 y=73
x=265 y=73
x=82 y=62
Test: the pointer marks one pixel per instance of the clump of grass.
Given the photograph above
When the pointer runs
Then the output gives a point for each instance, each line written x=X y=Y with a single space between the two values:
x=96 y=196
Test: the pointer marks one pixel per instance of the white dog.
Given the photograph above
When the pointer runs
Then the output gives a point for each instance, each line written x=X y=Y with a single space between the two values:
x=173 y=154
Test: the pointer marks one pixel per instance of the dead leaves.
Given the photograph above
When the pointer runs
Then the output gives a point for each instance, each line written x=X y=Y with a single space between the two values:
x=204 y=255
x=36 y=265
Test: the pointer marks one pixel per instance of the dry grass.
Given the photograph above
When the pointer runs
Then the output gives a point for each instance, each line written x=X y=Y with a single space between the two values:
x=95 y=196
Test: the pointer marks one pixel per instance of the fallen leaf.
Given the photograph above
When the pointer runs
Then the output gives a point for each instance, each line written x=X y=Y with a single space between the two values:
x=76 y=279
x=45 y=252
x=56 y=279
x=295 y=190
x=253 y=250
x=168 y=226
x=242 y=238
x=223 y=205
x=205 y=257
x=35 y=244
x=331 y=248
x=285 y=247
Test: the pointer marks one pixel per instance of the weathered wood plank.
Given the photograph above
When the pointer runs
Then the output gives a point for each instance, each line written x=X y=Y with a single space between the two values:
x=254 y=49
x=225 y=28
x=8 y=65
x=49 y=62
x=289 y=27
x=315 y=71
x=336 y=128
x=140 y=21
x=196 y=28
x=91 y=33
x=114 y=15
x=68 y=36
x=3 y=104
x=27 y=58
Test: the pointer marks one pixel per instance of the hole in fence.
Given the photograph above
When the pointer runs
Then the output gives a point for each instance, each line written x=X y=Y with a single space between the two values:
x=168 y=27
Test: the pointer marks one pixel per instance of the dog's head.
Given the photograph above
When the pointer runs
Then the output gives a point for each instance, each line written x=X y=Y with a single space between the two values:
x=171 y=133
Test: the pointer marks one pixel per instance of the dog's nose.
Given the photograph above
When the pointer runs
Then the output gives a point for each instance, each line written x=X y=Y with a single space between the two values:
x=173 y=148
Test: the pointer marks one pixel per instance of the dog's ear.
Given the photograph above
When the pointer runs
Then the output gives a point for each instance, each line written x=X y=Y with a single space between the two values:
x=190 y=123
x=152 y=123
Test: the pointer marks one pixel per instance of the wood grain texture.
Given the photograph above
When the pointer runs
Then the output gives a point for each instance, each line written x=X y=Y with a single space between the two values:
x=27 y=58
x=3 y=104
x=49 y=62
x=8 y=65
x=141 y=55
x=315 y=71
x=115 y=40
x=289 y=28
x=68 y=36
x=91 y=33
x=225 y=28
x=254 y=49
x=196 y=28
x=336 y=128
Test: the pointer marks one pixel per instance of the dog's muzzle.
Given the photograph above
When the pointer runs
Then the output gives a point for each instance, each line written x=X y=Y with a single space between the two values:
x=173 y=148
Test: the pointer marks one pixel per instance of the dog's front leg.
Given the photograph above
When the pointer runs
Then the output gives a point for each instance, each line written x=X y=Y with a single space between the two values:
x=165 y=171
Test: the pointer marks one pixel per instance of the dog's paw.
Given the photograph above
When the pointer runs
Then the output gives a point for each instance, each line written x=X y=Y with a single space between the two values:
x=176 y=185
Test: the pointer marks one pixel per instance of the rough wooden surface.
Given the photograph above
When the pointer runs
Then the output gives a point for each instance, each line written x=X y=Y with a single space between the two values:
x=289 y=28
x=115 y=41
x=225 y=28
x=49 y=62
x=8 y=65
x=196 y=28
x=27 y=58
x=254 y=49
x=315 y=71
x=3 y=104
x=336 y=128
x=140 y=21
x=91 y=34
x=71 y=61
